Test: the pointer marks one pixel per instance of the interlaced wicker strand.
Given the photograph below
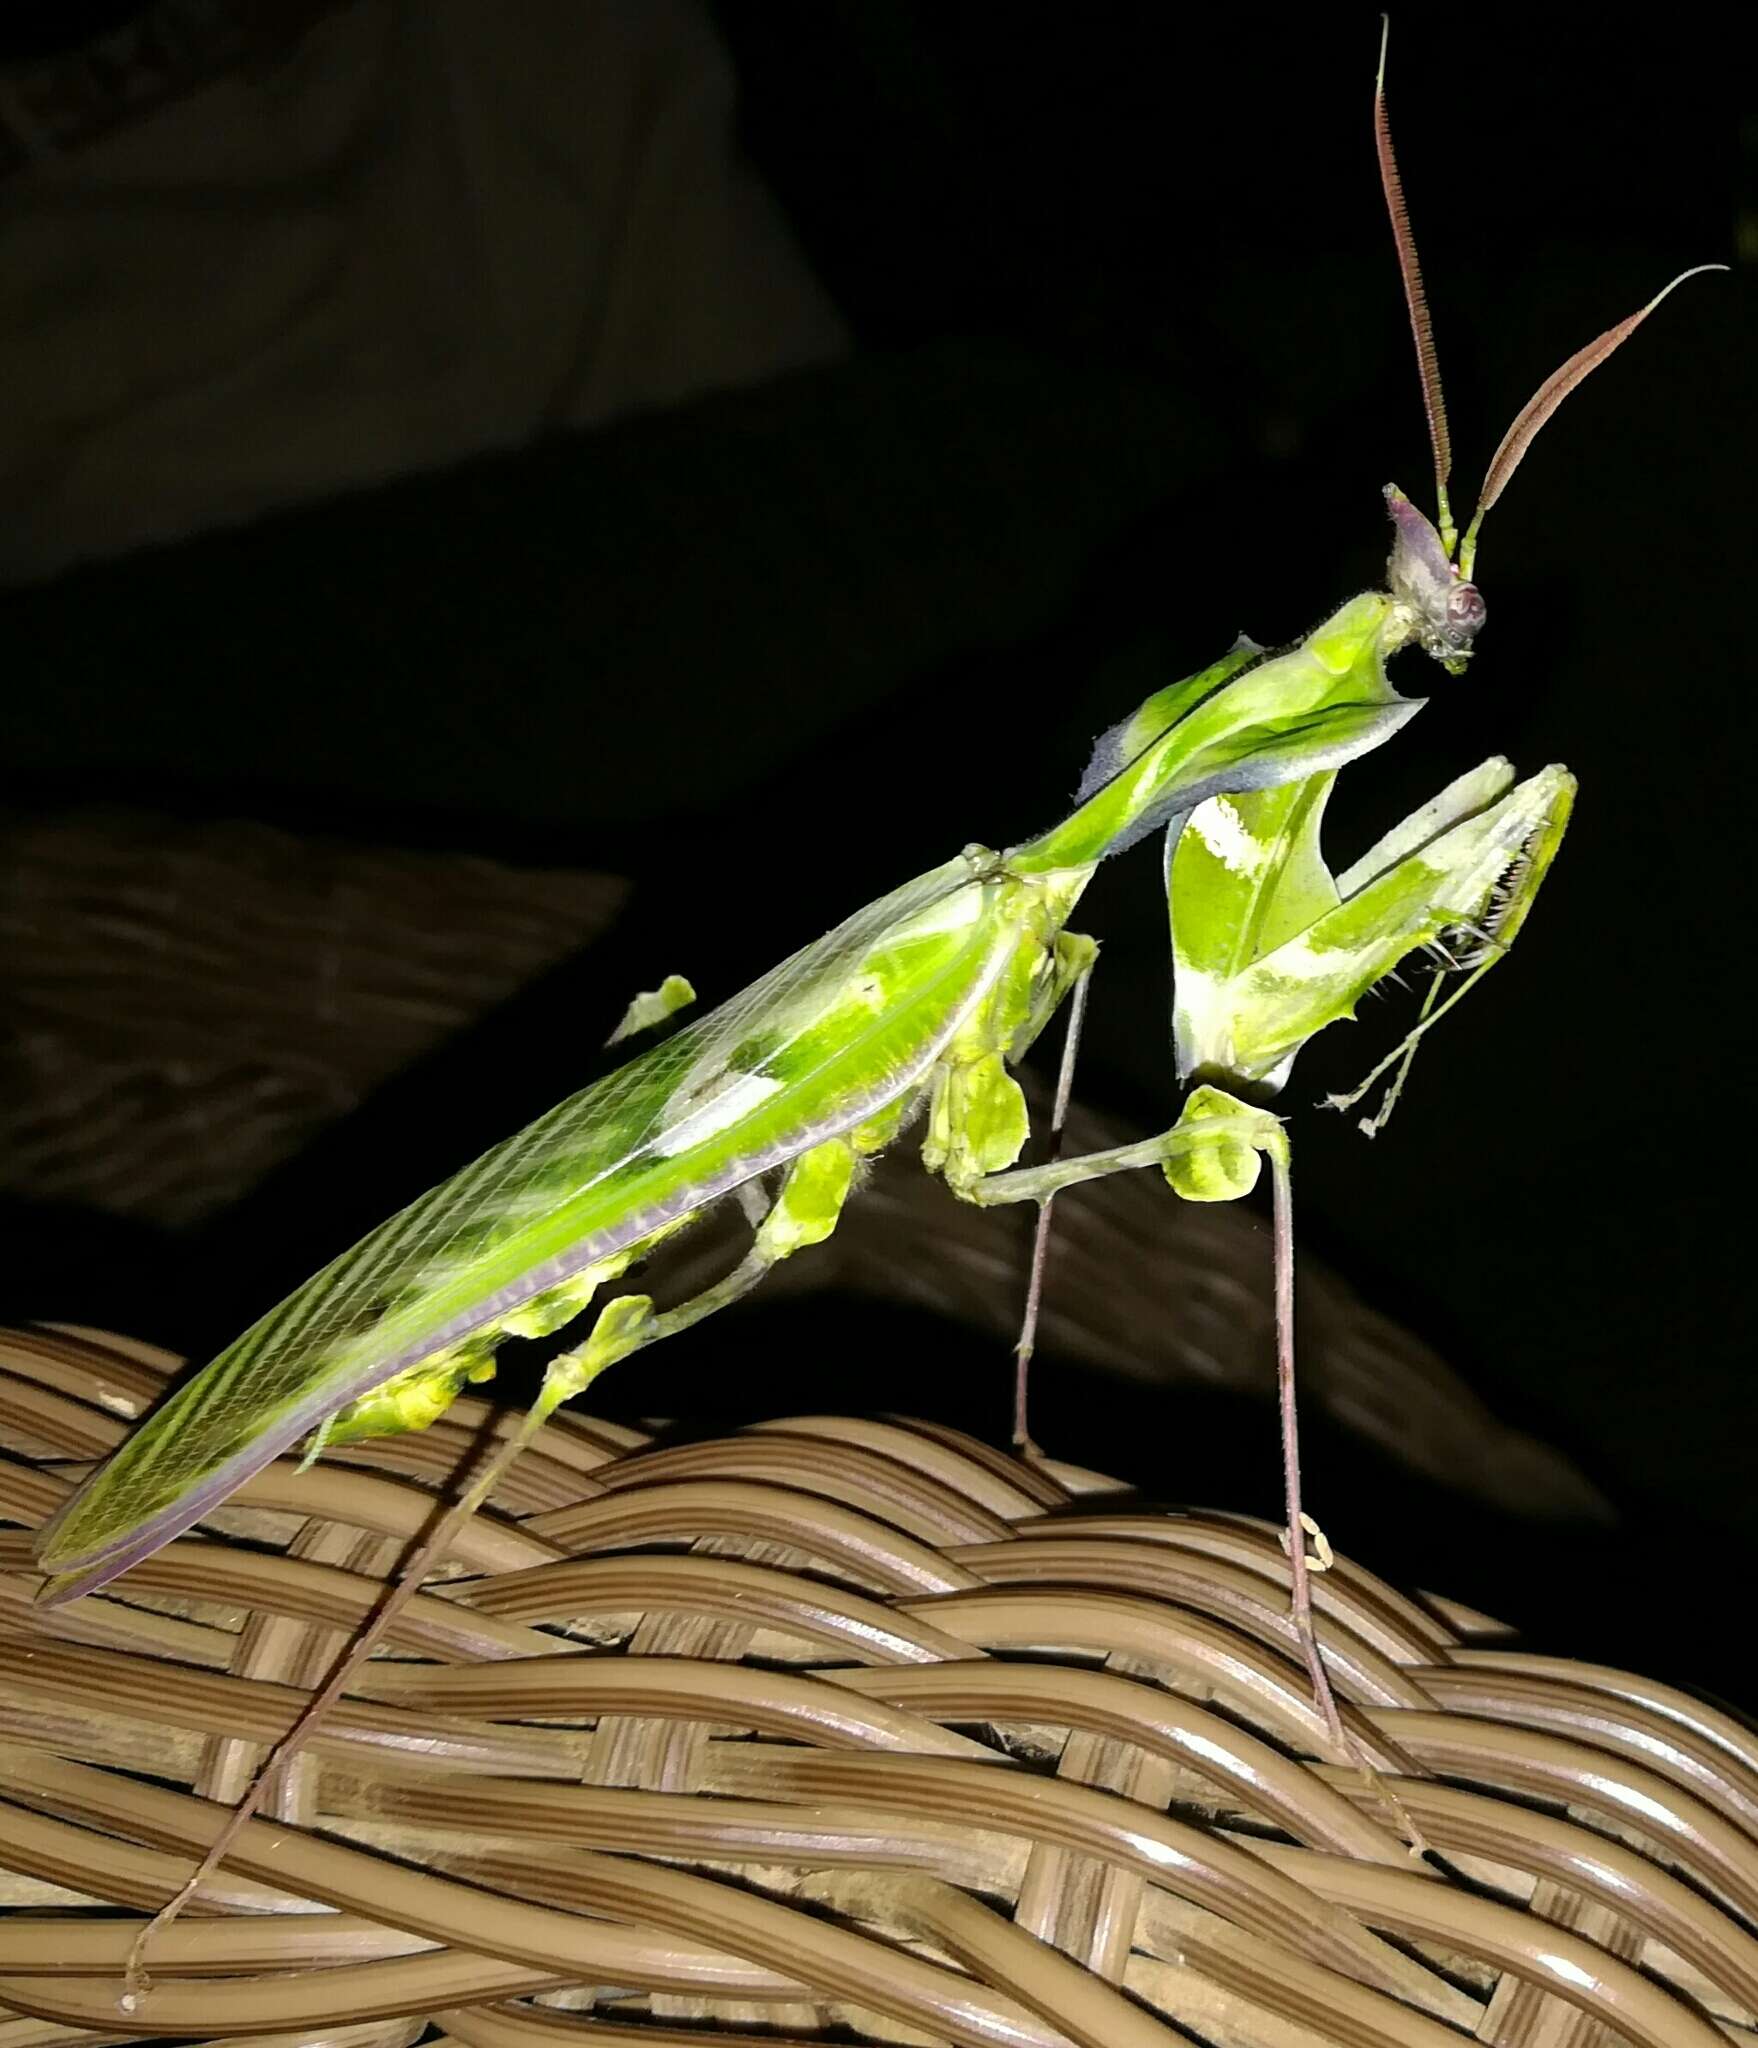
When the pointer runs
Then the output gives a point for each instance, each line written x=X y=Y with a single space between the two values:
x=832 y=1728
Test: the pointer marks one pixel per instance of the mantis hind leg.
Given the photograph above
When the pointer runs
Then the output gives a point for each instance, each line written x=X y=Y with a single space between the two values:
x=804 y=1212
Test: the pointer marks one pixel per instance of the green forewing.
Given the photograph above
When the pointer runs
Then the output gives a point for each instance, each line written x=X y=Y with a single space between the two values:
x=824 y=1040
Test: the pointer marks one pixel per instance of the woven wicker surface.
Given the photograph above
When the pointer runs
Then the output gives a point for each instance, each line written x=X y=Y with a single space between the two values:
x=834 y=1725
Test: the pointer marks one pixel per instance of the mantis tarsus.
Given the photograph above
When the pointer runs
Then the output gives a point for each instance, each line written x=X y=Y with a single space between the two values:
x=917 y=1005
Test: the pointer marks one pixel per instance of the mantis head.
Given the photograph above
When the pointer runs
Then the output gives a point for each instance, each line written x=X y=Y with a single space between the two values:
x=1442 y=611
x=1429 y=574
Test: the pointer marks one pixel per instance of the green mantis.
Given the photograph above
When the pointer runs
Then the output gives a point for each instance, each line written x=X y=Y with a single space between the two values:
x=914 y=1010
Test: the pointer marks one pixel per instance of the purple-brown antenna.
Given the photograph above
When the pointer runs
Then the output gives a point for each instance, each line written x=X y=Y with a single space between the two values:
x=1433 y=402
x=1545 y=400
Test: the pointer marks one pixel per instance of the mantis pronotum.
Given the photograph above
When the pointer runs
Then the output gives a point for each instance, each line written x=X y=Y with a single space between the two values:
x=917 y=1005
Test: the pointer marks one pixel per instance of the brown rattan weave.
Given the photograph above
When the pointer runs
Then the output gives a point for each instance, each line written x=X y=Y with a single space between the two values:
x=832 y=1727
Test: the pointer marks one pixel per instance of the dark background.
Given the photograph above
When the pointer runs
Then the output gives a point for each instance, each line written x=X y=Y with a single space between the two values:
x=1133 y=366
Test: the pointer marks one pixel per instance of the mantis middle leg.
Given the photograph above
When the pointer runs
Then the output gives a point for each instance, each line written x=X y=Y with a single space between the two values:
x=1213 y=1153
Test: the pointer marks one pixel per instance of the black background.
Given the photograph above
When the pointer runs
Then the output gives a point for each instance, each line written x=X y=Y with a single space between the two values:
x=1132 y=368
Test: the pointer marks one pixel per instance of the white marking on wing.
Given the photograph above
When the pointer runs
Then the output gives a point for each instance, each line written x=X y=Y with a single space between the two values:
x=730 y=1099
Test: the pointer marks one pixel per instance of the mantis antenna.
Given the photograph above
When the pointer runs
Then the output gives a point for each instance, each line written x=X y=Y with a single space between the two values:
x=1434 y=401
x=1458 y=560
x=1545 y=400
x=1538 y=408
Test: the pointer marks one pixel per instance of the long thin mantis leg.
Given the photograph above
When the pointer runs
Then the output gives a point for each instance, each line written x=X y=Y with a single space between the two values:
x=1211 y=1154
x=1299 y=1523
x=1202 y=1157
x=1040 y=1183
x=1028 y=1328
x=1298 y=1526
x=396 y=1596
x=804 y=1212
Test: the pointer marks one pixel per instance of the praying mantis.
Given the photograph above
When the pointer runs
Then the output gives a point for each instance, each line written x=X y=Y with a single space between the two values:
x=915 y=1009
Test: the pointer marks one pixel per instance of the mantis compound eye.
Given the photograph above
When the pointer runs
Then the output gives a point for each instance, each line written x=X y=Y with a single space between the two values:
x=1449 y=635
x=1466 y=612
x=1461 y=619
